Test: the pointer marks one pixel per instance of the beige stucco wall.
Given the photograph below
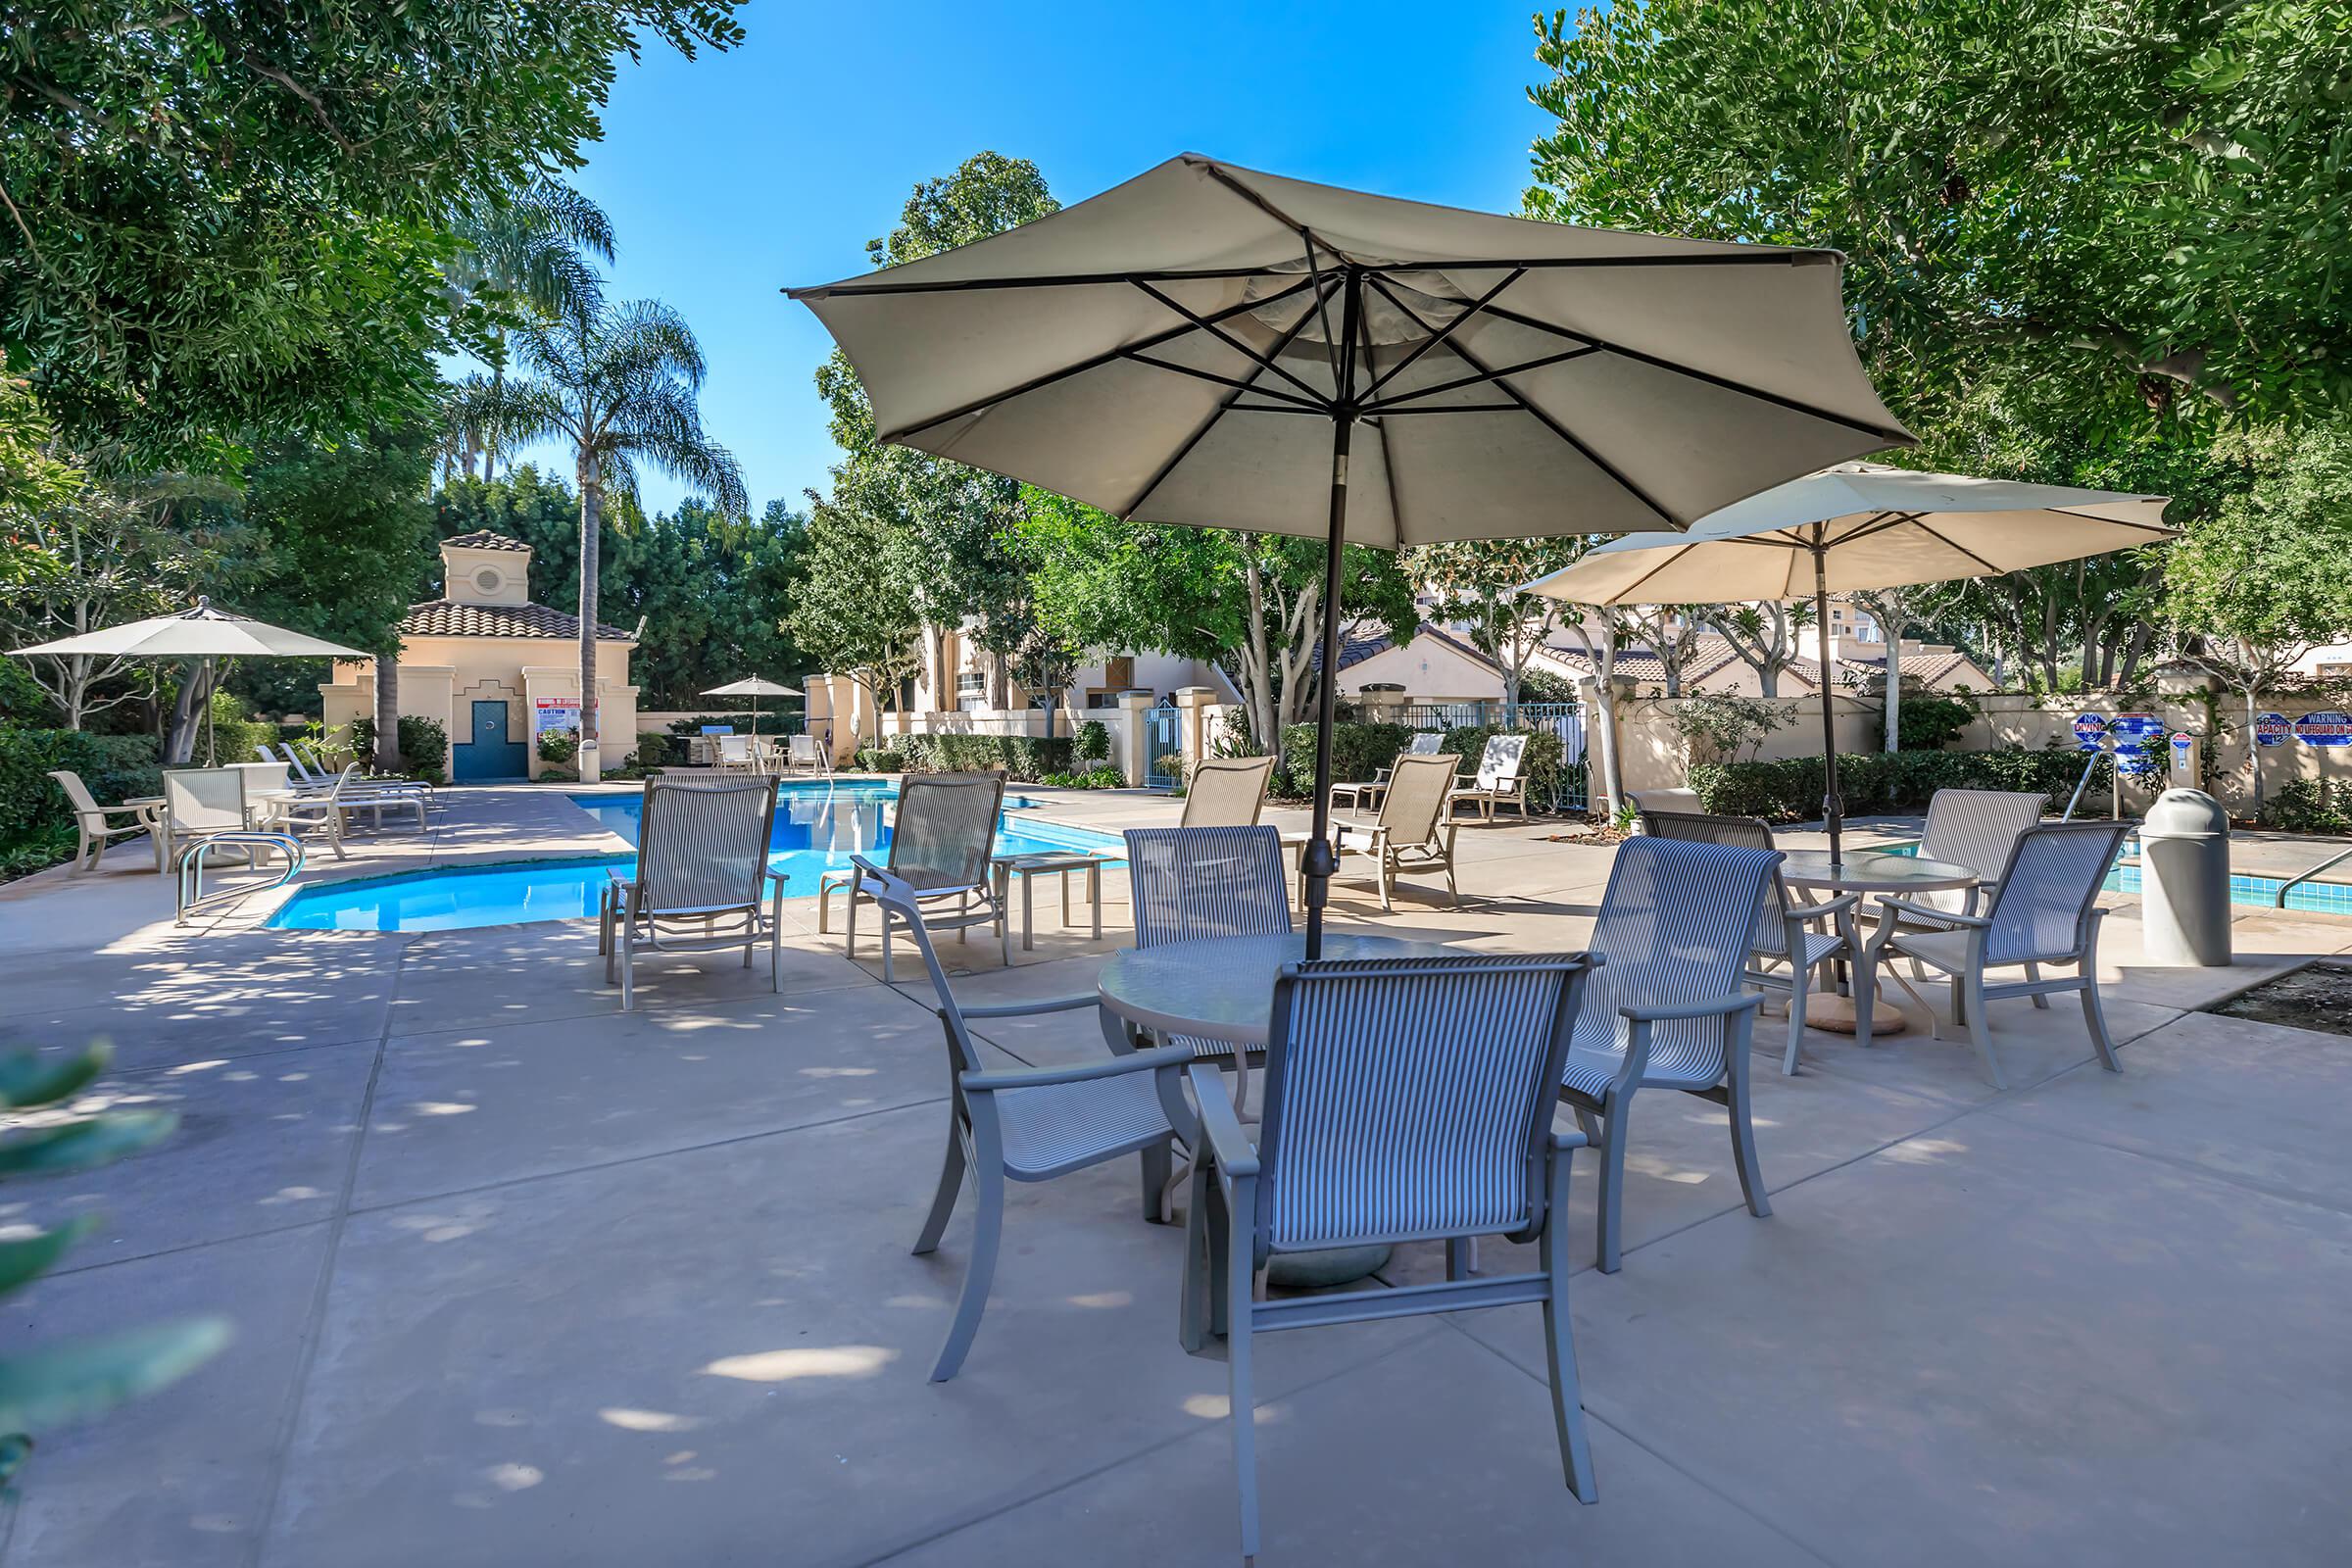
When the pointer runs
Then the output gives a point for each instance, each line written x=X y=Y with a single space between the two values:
x=442 y=677
x=1429 y=670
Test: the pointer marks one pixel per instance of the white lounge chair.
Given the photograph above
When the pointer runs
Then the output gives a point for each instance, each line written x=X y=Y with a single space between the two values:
x=90 y=821
x=1500 y=780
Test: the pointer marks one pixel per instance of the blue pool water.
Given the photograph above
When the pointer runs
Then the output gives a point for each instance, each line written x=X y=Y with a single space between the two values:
x=2251 y=892
x=817 y=826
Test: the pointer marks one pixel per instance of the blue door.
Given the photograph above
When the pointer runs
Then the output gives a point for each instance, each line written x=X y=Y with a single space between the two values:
x=488 y=754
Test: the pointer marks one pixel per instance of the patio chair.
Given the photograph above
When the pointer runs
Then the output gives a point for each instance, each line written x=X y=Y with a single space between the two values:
x=357 y=784
x=2044 y=909
x=801 y=751
x=1665 y=1008
x=1025 y=1124
x=1413 y=834
x=90 y=821
x=940 y=846
x=735 y=755
x=1365 y=794
x=199 y=803
x=1665 y=799
x=1500 y=780
x=1407 y=1100
x=1784 y=934
x=703 y=883
x=1226 y=792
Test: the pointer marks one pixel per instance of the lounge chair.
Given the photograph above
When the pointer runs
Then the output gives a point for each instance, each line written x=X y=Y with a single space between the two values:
x=735 y=755
x=1024 y=1124
x=801 y=751
x=2044 y=909
x=1784 y=929
x=1665 y=1008
x=703 y=882
x=1365 y=794
x=940 y=846
x=90 y=821
x=352 y=782
x=1226 y=792
x=1414 y=835
x=1500 y=780
x=1407 y=1100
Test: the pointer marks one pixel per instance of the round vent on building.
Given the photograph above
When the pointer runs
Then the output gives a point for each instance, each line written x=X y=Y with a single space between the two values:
x=488 y=580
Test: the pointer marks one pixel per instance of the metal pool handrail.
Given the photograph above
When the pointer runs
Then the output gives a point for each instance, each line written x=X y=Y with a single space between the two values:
x=190 y=895
x=2278 y=901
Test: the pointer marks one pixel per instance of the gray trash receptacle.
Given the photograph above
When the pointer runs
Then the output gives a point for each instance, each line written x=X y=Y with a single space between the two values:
x=2185 y=881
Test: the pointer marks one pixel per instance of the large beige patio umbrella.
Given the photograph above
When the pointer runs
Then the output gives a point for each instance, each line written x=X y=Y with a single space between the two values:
x=1855 y=526
x=754 y=688
x=200 y=632
x=1213 y=346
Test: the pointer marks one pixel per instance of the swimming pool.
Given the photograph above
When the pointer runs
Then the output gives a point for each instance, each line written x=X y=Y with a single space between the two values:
x=817 y=826
x=2246 y=889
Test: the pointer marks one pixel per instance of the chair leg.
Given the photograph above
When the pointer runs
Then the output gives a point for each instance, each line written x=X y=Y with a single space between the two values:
x=1866 y=995
x=1611 y=1229
x=1241 y=1409
x=1388 y=880
x=1159 y=1164
x=1195 y=1310
x=1743 y=1148
x=2033 y=972
x=986 y=1230
x=628 y=967
x=1971 y=987
x=2095 y=1018
x=1461 y=1256
x=943 y=1201
x=1800 y=981
x=857 y=881
x=1559 y=1342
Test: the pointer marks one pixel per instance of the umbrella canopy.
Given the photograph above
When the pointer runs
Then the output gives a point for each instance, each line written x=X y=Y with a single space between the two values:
x=202 y=632
x=1855 y=527
x=754 y=688
x=1213 y=346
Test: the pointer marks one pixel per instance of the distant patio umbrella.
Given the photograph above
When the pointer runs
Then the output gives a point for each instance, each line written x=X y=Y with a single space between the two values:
x=1210 y=346
x=1855 y=526
x=201 y=632
x=754 y=688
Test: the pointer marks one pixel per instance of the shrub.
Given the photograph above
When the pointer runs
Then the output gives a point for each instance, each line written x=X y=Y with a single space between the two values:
x=1929 y=722
x=1722 y=726
x=32 y=806
x=234 y=735
x=1093 y=745
x=1790 y=790
x=1357 y=751
x=1094 y=778
x=557 y=746
x=1025 y=759
x=873 y=760
x=422 y=744
x=655 y=750
x=2304 y=805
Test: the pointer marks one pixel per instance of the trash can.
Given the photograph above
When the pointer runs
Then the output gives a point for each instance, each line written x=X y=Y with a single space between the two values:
x=2185 y=881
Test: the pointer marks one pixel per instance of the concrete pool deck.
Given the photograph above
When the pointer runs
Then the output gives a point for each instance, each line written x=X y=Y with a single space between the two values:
x=521 y=1280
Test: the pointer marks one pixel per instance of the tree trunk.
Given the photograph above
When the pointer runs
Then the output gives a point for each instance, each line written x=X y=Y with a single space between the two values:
x=387 y=713
x=189 y=709
x=592 y=517
x=1768 y=680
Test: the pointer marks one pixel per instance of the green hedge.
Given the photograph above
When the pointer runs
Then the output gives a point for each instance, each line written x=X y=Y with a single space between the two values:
x=656 y=749
x=1789 y=790
x=421 y=741
x=872 y=760
x=1025 y=759
x=114 y=766
x=1357 y=751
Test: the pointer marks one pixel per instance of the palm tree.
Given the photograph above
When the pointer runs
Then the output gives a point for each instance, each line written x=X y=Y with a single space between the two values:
x=618 y=382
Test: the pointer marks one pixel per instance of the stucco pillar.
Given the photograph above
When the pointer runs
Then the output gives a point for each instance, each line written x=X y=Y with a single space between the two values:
x=1381 y=703
x=1194 y=703
x=1135 y=738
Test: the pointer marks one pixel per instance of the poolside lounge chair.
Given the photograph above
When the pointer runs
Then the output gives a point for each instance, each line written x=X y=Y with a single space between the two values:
x=940 y=846
x=703 y=881
x=801 y=751
x=354 y=783
x=1226 y=792
x=1407 y=1100
x=1784 y=934
x=1500 y=780
x=1665 y=1008
x=1413 y=834
x=90 y=821
x=2044 y=909
x=1365 y=794
x=1024 y=1124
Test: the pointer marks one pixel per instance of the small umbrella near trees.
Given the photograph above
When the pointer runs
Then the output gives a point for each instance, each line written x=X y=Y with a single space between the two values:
x=618 y=382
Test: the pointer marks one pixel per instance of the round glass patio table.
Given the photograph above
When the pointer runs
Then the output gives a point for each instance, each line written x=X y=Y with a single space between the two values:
x=1222 y=988
x=1866 y=871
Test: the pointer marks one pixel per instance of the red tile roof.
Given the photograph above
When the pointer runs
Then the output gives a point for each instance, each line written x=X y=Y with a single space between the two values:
x=442 y=618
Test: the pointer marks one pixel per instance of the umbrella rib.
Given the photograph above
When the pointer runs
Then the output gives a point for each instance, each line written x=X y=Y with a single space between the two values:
x=1331 y=348
x=1895 y=437
x=1225 y=380
x=1092 y=362
x=1625 y=594
x=2165 y=529
x=1453 y=326
x=1542 y=417
x=1222 y=409
x=1231 y=342
x=1390 y=406
x=1926 y=528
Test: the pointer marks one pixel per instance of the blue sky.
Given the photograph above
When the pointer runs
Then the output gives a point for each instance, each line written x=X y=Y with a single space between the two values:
x=774 y=165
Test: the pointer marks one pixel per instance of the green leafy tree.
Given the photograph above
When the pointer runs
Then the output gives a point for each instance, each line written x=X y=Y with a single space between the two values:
x=1474 y=583
x=852 y=611
x=620 y=384
x=223 y=218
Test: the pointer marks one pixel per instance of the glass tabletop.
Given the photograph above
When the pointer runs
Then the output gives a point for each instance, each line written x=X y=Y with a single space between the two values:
x=1871 y=872
x=1222 y=988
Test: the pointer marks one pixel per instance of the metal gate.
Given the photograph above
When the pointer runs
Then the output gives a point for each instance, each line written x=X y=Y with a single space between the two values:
x=1565 y=792
x=1163 y=748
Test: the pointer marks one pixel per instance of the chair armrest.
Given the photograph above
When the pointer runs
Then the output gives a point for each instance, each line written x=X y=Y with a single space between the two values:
x=1680 y=1012
x=1022 y=1009
x=1564 y=1139
x=1807 y=913
x=993 y=1079
x=779 y=878
x=1221 y=1134
x=865 y=864
x=1922 y=911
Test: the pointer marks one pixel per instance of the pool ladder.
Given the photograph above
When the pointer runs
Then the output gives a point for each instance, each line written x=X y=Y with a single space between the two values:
x=2278 y=901
x=190 y=895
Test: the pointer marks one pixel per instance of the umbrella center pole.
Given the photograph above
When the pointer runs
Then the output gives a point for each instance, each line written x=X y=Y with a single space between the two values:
x=1833 y=804
x=1320 y=862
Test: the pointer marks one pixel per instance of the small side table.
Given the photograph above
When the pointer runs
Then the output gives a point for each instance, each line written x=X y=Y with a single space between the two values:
x=1059 y=863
